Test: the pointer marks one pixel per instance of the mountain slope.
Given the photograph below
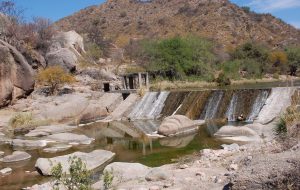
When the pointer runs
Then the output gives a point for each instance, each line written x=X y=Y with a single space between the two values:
x=221 y=20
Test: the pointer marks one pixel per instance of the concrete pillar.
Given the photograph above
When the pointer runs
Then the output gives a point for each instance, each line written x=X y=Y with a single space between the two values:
x=140 y=80
x=147 y=80
x=124 y=82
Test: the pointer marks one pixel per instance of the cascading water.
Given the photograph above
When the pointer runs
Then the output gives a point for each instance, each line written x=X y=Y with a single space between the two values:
x=258 y=104
x=231 y=111
x=212 y=106
x=150 y=106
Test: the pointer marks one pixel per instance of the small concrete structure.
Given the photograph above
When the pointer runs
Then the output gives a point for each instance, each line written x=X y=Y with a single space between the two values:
x=134 y=81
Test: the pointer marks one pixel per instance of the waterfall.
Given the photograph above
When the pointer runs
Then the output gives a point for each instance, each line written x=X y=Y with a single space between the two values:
x=212 y=106
x=231 y=111
x=150 y=106
x=258 y=105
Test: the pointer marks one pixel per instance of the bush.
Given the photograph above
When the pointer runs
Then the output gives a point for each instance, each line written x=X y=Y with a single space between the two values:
x=231 y=69
x=21 y=119
x=79 y=178
x=182 y=56
x=93 y=52
x=293 y=55
x=222 y=80
x=54 y=77
x=278 y=60
x=246 y=9
x=108 y=178
x=280 y=128
x=25 y=119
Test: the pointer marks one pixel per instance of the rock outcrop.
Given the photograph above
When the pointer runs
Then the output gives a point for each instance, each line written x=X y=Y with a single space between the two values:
x=178 y=124
x=239 y=134
x=93 y=160
x=65 y=50
x=16 y=156
x=16 y=75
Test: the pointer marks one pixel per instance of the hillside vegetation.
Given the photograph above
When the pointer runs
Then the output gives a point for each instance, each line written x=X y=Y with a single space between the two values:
x=221 y=20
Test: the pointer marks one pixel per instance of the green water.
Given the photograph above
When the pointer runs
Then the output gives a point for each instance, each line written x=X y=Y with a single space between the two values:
x=127 y=140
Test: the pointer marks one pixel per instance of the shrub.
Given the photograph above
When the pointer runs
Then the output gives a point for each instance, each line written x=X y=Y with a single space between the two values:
x=93 y=52
x=108 y=178
x=222 y=80
x=246 y=9
x=280 y=128
x=79 y=178
x=278 y=60
x=231 y=69
x=54 y=77
x=25 y=119
x=293 y=55
x=21 y=119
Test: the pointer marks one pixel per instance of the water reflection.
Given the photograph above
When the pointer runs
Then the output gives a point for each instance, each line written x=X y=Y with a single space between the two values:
x=129 y=140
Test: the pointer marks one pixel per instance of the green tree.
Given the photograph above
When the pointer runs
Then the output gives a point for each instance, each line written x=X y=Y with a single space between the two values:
x=293 y=55
x=253 y=59
x=79 y=178
x=185 y=56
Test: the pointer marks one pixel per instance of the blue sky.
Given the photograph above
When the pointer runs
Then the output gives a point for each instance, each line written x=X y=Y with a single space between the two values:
x=287 y=10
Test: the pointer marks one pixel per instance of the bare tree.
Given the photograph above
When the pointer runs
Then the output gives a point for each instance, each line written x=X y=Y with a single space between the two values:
x=10 y=9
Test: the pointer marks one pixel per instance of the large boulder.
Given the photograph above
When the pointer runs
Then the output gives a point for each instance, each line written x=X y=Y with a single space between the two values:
x=70 y=39
x=65 y=50
x=123 y=172
x=93 y=160
x=237 y=134
x=16 y=75
x=178 y=124
x=63 y=57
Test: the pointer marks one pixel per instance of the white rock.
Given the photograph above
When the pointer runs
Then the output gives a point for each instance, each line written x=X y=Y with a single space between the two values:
x=233 y=167
x=6 y=171
x=127 y=171
x=232 y=147
x=178 y=124
x=57 y=148
x=93 y=160
x=155 y=188
x=16 y=156
x=183 y=166
x=29 y=143
x=70 y=138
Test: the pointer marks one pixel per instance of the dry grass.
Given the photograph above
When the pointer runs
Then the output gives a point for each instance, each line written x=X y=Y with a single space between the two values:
x=25 y=119
x=169 y=85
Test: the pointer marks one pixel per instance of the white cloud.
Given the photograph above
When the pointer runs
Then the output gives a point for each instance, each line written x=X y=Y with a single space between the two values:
x=273 y=5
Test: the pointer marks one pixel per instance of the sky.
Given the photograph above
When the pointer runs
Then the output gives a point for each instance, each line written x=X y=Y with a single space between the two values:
x=287 y=10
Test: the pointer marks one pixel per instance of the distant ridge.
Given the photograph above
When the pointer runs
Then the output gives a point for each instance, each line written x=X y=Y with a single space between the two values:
x=221 y=20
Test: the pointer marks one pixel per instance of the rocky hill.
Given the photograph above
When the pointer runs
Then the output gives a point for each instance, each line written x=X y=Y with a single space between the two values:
x=120 y=20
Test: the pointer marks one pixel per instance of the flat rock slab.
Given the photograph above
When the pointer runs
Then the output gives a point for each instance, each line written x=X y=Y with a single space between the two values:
x=16 y=157
x=71 y=138
x=93 y=160
x=29 y=143
x=57 y=148
x=49 y=130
